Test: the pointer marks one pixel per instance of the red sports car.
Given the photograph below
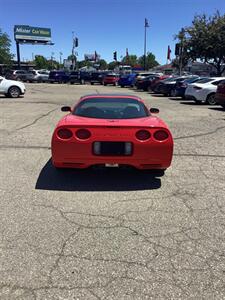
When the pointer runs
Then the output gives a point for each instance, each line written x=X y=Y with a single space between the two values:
x=111 y=130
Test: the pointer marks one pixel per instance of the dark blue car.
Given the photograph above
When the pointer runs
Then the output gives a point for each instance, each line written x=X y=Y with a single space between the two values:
x=58 y=76
x=180 y=86
x=127 y=80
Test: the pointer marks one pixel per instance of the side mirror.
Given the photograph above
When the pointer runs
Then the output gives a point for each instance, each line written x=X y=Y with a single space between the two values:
x=65 y=108
x=154 y=110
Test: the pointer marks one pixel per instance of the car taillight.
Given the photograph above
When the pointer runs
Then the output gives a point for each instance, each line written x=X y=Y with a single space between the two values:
x=197 y=87
x=64 y=134
x=83 y=134
x=143 y=135
x=161 y=135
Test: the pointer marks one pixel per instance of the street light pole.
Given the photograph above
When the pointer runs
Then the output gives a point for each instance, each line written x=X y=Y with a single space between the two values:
x=146 y=25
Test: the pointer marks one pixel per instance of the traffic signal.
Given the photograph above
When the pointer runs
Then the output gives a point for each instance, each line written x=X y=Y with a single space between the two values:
x=76 y=42
x=177 y=49
x=115 y=55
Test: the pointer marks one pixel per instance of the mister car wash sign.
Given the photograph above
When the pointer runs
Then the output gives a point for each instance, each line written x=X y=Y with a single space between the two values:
x=32 y=34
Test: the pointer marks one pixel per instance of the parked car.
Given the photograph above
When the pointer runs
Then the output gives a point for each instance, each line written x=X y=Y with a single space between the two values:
x=76 y=77
x=204 y=90
x=157 y=79
x=59 y=76
x=220 y=94
x=142 y=75
x=111 y=79
x=40 y=75
x=11 y=88
x=97 y=77
x=160 y=88
x=134 y=136
x=145 y=83
x=20 y=75
x=168 y=86
x=127 y=80
x=181 y=85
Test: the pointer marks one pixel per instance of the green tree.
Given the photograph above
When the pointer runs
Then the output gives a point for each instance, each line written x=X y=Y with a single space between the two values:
x=5 y=43
x=41 y=62
x=150 y=61
x=112 y=65
x=130 y=60
x=84 y=63
x=102 y=64
x=205 y=40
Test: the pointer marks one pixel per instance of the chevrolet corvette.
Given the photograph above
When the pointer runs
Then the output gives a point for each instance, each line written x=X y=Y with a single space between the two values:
x=111 y=130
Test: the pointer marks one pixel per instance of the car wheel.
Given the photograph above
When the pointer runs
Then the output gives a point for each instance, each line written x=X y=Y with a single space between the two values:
x=14 y=92
x=211 y=99
x=105 y=84
x=92 y=83
x=122 y=86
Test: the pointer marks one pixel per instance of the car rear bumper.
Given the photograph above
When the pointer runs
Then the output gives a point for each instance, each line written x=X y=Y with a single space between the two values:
x=148 y=156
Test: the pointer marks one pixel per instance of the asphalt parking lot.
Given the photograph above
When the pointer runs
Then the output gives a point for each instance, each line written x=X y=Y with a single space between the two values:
x=110 y=234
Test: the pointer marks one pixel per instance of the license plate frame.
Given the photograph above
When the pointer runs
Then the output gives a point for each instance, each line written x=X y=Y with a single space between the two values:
x=113 y=165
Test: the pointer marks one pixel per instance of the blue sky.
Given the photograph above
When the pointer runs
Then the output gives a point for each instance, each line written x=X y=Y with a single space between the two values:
x=104 y=26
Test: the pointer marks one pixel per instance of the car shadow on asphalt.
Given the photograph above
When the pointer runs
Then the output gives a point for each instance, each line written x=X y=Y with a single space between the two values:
x=217 y=108
x=190 y=103
x=158 y=95
x=105 y=179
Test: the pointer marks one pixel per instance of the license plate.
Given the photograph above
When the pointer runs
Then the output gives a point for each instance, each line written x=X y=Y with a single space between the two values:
x=112 y=165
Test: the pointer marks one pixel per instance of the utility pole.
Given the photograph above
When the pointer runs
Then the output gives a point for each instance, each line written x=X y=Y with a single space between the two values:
x=146 y=25
x=181 y=50
x=60 y=57
x=52 y=54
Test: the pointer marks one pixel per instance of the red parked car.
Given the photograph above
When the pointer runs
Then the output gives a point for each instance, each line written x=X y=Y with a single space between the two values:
x=111 y=131
x=111 y=79
x=220 y=94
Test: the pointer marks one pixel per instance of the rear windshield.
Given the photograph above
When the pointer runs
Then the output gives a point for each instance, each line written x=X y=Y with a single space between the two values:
x=111 y=75
x=111 y=108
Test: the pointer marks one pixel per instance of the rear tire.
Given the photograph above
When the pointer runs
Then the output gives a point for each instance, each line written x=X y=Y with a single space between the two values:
x=211 y=99
x=14 y=92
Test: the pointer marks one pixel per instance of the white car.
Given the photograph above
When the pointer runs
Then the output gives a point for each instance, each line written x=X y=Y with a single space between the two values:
x=11 y=88
x=40 y=75
x=203 y=90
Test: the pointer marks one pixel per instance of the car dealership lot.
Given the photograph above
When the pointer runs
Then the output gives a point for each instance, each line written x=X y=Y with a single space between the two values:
x=110 y=234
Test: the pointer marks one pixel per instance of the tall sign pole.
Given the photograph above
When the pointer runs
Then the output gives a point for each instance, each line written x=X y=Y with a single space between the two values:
x=18 y=54
x=146 y=25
